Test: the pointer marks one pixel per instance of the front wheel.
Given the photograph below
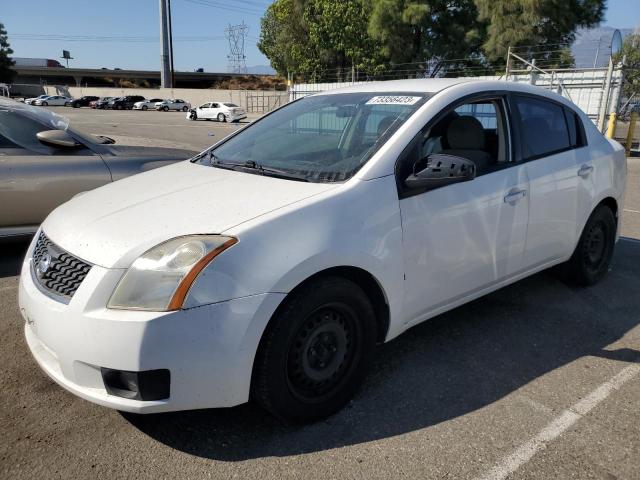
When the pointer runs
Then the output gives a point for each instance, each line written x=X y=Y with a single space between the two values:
x=592 y=257
x=165 y=109
x=44 y=104
x=316 y=351
x=144 y=107
x=193 y=115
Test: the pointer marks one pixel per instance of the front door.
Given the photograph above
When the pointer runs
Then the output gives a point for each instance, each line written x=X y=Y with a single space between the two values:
x=462 y=239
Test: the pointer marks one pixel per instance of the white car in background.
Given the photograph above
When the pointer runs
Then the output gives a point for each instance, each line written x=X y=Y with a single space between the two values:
x=270 y=265
x=173 y=104
x=147 y=104
x=31 y=101
x=53 y=100
x=220 y=111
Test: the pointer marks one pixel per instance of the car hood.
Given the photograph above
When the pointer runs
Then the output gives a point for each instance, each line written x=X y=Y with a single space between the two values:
x=113 y=225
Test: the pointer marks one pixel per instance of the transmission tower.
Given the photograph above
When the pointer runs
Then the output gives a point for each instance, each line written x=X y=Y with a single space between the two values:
x=237 y=60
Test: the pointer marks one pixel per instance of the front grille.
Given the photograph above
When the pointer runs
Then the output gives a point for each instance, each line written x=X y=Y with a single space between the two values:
x=56 y=270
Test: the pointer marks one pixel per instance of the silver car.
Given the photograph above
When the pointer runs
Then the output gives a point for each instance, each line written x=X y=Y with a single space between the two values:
x=44 y=162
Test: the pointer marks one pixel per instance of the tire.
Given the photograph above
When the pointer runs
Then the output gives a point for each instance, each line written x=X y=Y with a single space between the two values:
x=221 y=117
x=68 y=104
x=144 y=107
x=591 y=259
x=74 y=105
x=193 y=116
x=185 y=108
x=316 y=351
x=44 y=104
x=117 y=107
x=165 y=109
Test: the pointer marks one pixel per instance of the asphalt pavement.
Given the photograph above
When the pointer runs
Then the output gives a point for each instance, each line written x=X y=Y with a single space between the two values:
x=538 y=380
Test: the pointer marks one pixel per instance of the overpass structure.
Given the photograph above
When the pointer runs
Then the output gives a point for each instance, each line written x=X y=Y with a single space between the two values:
x=106 y=77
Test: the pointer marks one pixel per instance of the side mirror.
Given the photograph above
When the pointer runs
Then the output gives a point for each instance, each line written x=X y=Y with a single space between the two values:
x=57 y=139
x=438 y=170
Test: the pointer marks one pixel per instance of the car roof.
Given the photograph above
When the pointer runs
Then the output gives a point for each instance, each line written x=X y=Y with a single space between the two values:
x=435 y=85
x=427 y=85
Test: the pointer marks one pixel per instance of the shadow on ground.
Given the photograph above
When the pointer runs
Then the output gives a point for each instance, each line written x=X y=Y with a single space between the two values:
x=449 y=366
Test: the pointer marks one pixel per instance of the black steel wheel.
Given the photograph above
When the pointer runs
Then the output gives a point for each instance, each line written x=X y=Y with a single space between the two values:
x=316 y=351
x=592 y=257
x=193 y=115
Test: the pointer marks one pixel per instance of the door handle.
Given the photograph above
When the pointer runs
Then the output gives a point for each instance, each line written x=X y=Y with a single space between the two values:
x=585 y=171
x=514 y=196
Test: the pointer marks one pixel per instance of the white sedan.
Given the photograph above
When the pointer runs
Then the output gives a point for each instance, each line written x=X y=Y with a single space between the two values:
x=220 y=111
x=53 y=100
x=270 y=265
x=173 y=104
x=31 y=101
x=147 y=104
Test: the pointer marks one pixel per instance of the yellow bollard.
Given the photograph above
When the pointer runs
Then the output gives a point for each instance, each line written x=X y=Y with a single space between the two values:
x=611 y=127
x=632 y=127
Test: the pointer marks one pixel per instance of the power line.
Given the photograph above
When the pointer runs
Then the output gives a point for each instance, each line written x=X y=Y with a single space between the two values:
x=230 y=8
x=111 y=38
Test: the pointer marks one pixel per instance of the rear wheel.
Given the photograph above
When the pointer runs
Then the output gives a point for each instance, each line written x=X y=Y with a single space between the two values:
x=185 y=108
x=144 y=107
x=221 y=117
x=316 y=351
x=44 y=104
x=592 y=257
x=165 y=109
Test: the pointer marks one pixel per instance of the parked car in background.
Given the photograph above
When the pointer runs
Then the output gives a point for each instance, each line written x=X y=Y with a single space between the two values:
x=83 y=101
x=147 y=104
x=54 y=101
x=220 y=111
x=44 y=163
x=173 y=104
x=103 y=102
x=92 y=103
x=269 y=266
x=125 y=103
x=31 y=101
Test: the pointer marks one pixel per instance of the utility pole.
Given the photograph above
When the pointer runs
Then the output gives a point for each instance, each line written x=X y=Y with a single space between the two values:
x=171 y=65
x=165 y=70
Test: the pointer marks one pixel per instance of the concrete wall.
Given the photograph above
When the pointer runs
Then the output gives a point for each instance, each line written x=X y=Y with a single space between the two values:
x=194 y=96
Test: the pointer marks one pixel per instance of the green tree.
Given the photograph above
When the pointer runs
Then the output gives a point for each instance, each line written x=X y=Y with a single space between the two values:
x=631 y=52
x=339 y=32
x=536 y=28
x=444 y=34
x=6 y=74
x=284 y=38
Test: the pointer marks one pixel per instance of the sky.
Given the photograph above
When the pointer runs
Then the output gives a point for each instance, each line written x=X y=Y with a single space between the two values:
x=93 y=30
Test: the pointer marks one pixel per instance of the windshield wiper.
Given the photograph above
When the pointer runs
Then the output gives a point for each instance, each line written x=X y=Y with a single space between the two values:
x=256 y=167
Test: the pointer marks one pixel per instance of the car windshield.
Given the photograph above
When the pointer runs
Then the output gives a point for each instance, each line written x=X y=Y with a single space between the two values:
x=324 y=138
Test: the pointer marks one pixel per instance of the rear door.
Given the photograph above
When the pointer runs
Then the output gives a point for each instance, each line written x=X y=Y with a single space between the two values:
x=552 y=158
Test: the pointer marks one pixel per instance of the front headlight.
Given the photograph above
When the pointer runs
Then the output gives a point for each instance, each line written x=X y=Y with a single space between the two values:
x=160 y=278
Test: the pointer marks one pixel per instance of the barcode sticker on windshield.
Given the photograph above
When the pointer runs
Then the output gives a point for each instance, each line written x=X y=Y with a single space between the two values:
x=392 y=100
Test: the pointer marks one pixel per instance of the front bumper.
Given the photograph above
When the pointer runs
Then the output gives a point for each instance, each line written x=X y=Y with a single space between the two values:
x=209 y=350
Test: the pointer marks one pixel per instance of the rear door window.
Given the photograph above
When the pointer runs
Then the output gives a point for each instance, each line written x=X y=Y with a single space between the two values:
x=543 y=127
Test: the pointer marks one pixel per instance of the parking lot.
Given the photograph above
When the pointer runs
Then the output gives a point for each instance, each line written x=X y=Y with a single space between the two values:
x=537 y=380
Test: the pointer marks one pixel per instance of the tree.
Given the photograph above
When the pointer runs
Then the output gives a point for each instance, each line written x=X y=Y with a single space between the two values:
x=444 y=34
x=6 y=74
x=631 y=52
x=540 y=28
